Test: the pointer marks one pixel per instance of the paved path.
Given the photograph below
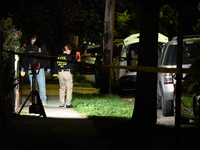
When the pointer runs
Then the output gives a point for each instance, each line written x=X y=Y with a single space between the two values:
x=56 y=112
x=52 y=109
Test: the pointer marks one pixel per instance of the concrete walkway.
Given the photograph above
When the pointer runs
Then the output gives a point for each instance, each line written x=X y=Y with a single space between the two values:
x=53 y=110
x=56 y=112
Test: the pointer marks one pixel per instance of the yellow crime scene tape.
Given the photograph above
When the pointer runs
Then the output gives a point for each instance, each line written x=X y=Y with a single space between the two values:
x=135 y=68
x=156 y=69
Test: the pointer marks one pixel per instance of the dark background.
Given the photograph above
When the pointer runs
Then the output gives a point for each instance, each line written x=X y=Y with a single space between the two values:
x=57 y=21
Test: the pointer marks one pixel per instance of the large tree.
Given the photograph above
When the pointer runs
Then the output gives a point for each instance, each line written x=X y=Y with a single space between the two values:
x=145 y=112
x=54 y=20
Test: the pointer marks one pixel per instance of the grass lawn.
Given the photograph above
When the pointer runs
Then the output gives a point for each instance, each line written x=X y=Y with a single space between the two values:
x=101 y=105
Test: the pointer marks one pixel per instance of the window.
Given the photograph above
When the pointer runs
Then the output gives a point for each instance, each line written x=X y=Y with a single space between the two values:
x=191 y=51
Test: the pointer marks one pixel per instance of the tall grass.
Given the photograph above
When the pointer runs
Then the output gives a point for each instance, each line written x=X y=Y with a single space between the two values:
x=101 y=105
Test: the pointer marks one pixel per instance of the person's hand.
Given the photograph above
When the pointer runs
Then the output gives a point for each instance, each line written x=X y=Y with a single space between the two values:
x=55 y=76
x=48 y=70
x=22 y=72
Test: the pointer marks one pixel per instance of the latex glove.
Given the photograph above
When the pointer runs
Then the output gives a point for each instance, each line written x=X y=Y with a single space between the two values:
x=55 y=76
x=48 y=70
x=78 y=56
x=23 y=73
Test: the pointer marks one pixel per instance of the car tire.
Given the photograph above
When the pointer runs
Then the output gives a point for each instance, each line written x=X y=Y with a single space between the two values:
x=167 y=107
x=98 y=77
x=121 y=92
x=184 y=120
x=159 y=102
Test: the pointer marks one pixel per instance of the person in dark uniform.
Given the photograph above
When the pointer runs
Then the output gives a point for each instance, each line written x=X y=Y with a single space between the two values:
x=64 y=69
x=37 y=48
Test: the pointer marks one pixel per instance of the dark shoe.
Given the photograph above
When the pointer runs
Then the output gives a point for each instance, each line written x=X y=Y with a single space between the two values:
x=69 y=106
x=61 y=106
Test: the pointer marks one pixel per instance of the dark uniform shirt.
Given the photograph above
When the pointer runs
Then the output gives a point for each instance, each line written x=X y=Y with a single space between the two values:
x=67 y=64
x=35 y=50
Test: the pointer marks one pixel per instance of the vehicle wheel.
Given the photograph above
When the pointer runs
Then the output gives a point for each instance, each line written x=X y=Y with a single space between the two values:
x=119 y=91
x=82 y=71
x=98 y=77
x=159 y=102
x=184 y=120
x=167 y=108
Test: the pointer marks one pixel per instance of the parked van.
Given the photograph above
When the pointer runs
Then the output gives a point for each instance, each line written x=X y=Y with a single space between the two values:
x=125 y=79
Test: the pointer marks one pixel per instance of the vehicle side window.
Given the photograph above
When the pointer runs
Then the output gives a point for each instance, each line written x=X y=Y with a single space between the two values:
x=123 y=53
x=132 y=52
x=191 y=52
x=170 y=56
x=92 y=51
x=132 y=55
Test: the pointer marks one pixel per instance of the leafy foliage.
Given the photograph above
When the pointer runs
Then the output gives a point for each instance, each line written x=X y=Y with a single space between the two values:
x=126 y=24
x=55 y=19
x=11 y=35
x=196 y=27
x=8 y=82
x=169 y=19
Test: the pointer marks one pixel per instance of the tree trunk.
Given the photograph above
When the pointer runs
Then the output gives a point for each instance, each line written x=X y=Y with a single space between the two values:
x=145 y=111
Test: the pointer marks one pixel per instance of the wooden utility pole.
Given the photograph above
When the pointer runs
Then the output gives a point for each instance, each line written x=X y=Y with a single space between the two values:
x=108 y=44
